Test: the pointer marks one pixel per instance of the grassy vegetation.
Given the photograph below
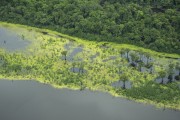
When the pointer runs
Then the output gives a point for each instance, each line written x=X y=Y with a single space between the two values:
x=64 y=61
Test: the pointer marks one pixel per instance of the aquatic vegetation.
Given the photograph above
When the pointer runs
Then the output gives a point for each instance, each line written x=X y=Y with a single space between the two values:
x=64 y=61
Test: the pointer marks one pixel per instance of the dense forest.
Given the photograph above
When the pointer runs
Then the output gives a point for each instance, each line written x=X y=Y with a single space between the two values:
x=153 y=24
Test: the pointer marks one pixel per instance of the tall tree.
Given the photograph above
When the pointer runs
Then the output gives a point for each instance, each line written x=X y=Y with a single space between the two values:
x=162 y=74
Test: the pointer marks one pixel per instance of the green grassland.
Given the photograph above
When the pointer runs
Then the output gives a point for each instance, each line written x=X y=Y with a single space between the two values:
x=88 y=65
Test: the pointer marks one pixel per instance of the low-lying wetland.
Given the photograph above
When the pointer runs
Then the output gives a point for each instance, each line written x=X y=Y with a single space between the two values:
x=78 y=64
x=11 y=41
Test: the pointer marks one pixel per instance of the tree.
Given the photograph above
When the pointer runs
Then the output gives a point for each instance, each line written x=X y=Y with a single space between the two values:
x=162 y=74
x=82 y=86
x=148 y=56
x=64 y=53
x=141 y=53
x=127 y=50
x=81 y=67
x=171 y=68
x=174 y=2
x=134 y=58
x=23 y=37
x=178 y=67
x=124 y=78
x=122 y=52
x=140 y=65
x=103 y=20
x=1 y=61
x=150 y=66
x=73 y=65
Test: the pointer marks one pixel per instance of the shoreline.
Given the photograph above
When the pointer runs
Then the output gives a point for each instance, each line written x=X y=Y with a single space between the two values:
x=107 y=89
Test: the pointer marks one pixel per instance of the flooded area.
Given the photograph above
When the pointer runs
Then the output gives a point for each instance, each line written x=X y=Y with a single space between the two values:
x=120 y=84
x=61 y=60
x=11 y=41
x=74 y=52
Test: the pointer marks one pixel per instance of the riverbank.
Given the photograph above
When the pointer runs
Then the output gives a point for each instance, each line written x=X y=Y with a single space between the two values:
x=88 y=65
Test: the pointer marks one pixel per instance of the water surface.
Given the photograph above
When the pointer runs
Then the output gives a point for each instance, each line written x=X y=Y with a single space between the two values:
x=11 y=41
x=30 y=100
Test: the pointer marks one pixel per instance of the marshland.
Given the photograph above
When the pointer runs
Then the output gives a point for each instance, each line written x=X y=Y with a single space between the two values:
x=89 y=60
x=62 y=61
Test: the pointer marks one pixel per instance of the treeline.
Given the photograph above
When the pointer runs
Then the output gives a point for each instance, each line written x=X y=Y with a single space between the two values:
x=145 y=2
x=153 y=24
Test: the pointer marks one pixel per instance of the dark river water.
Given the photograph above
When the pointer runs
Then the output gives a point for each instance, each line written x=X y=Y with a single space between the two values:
x=30 y=100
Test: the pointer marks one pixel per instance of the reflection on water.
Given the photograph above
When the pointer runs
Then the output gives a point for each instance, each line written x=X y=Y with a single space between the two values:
x=29 y=100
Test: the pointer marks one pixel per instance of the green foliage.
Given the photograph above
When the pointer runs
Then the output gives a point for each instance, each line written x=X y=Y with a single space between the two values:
x=152 y=24
x=124 y=77
x=134 y=57
x=178 y=65
x=162 y=73
x=152 y=91
x=40 y=61
x=64 y=53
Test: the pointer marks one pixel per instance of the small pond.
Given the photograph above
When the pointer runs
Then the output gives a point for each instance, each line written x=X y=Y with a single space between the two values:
x=30 y=100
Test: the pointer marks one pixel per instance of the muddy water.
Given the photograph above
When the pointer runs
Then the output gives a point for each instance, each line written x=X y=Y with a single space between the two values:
x=29 y=100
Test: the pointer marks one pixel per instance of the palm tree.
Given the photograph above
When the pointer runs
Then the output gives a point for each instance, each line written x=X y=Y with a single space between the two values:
x=65 y=54
x=162 y=74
